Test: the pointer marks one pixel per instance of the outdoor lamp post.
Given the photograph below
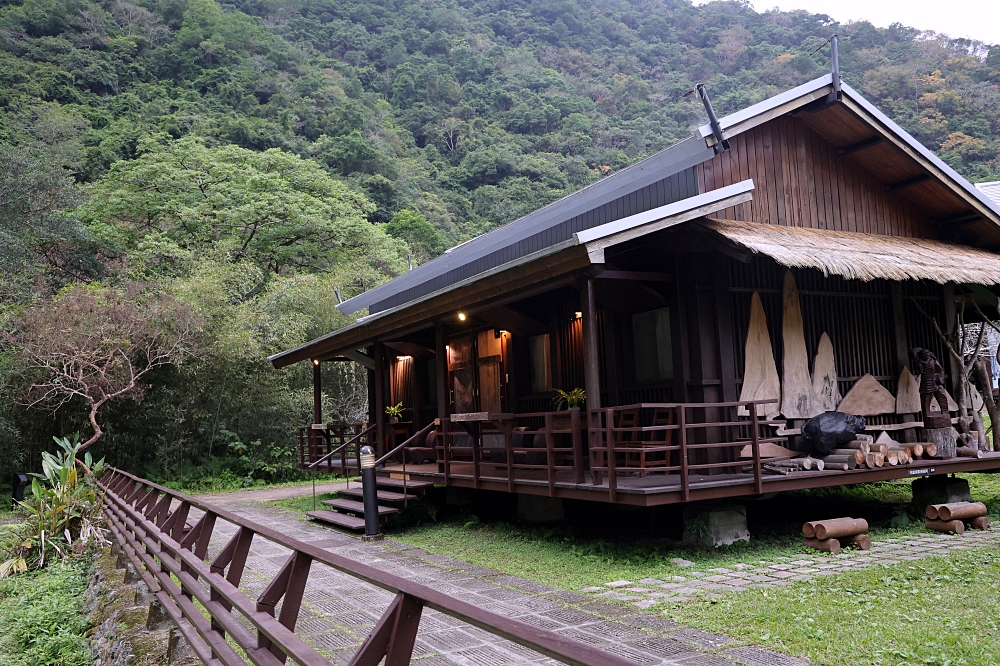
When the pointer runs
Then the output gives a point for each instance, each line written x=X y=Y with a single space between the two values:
x=369 y=493
x=18 y=484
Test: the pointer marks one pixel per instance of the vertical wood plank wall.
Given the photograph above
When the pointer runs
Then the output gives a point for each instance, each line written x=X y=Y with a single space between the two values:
x=802 y=181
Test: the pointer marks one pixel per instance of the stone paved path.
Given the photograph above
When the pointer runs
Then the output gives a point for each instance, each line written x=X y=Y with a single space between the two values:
x=338 y=611
x=694 y=584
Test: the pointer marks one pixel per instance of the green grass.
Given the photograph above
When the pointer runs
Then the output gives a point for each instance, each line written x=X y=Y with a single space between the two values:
x=211 y=484
x=42 y=620
x=938 y=610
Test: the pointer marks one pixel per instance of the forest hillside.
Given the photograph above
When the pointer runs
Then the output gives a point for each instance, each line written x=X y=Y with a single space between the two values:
x=204 y=174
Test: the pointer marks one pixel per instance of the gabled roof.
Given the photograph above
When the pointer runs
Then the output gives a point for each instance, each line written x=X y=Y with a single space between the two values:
x=667 y=177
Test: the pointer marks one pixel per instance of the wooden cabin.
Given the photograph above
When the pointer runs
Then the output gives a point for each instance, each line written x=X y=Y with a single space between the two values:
x=708 y=299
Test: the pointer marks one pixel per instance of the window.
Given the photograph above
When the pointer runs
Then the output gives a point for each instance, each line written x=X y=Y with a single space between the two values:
x=541 y=368
x=652 y=346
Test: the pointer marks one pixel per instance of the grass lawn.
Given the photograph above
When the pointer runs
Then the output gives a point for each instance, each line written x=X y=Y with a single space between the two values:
x=211 y=484
x=938 y=610
x=589 y=550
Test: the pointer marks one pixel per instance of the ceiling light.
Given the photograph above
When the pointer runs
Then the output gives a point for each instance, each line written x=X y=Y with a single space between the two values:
x=461 y=316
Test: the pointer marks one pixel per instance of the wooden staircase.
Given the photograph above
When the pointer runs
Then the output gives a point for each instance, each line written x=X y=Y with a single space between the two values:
x=349 y=509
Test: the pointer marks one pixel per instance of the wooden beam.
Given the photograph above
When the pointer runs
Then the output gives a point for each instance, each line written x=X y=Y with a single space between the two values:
x=636 y=276
x=317 y=392
x=961 y=219
x=379 y=398
x=861 y=145
x=591 y=362
x=358 y=357
x=441 y=370
x=909 y=182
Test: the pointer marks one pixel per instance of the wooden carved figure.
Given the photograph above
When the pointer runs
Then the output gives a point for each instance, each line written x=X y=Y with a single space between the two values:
x=931 y=378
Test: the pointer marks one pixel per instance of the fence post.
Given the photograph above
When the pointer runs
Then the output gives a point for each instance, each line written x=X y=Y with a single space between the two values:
x=574 y=420
x=682 y=433
x=758 y=481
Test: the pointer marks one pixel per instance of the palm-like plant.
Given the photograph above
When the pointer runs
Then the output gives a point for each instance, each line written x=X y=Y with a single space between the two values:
x=569 y=399
x=62 y=512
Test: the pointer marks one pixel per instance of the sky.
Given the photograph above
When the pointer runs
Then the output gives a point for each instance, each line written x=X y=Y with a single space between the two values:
x=976 y=19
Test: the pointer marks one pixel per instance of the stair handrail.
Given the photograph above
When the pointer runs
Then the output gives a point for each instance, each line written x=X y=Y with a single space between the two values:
x=341 y=447
x=423 y=431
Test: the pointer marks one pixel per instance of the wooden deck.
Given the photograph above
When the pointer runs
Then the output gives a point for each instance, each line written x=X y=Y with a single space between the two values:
x=659 y=489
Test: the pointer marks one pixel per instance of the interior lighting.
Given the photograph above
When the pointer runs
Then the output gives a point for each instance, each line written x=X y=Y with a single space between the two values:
x=578 y=315
x=404 y=358
x=461 y=316
x=315 y=361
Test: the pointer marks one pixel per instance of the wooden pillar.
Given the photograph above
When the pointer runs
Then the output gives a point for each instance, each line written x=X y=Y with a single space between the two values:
x=954 y=370
x=899 y=324
x=724 y=323
x=441 y=370
x=380 y=433
x=317 y=392
x=591 y=362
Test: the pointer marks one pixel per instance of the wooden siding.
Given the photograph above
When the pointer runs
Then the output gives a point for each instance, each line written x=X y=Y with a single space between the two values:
x=802 y=181
x=673 y=188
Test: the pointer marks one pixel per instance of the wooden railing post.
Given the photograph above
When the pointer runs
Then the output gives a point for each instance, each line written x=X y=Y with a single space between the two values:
x=508 y=436
x=609 y=429
x=574 y=420
x=758 y=480
x=682 y=433
x=550 y=455
x=446 y=442
x=477 y=441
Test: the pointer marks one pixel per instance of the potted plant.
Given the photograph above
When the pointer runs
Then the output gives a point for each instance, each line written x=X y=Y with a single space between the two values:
x=569 y=399
x=394 y=412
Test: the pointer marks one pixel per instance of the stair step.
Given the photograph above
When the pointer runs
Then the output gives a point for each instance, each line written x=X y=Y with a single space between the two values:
x=345 y=520
x=383 y=495
x=411 y=484
x=353 y=506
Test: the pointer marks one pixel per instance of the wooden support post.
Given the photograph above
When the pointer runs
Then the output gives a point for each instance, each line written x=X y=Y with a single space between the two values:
x=899 y=324
x=379 y=415
x=954 y=369
x=574 y=420
x=591 y=363
x=550 y=455
x=317 y=392
x=441 y=369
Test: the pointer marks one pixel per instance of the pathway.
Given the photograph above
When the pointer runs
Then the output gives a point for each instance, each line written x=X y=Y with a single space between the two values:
x=652 y=591
x=338 y=611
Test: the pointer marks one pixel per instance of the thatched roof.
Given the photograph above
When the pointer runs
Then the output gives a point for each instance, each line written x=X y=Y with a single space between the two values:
x=863 y=256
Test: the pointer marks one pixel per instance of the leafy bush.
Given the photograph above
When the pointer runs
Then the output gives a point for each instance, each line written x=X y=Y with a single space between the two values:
x=41 y=621
x=62 y=513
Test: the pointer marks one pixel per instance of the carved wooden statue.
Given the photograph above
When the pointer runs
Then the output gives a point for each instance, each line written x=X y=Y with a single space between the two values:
x=925 y=364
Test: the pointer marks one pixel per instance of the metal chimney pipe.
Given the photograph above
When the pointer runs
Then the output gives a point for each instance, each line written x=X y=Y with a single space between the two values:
x=721 y=142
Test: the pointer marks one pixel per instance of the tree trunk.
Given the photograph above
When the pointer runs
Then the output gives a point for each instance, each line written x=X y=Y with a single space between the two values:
x=93 y=424
x=943 y=440
x=986 y=380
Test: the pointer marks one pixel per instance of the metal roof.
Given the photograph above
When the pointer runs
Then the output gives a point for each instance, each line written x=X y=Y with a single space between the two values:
x=990 y=189
x=559 y=220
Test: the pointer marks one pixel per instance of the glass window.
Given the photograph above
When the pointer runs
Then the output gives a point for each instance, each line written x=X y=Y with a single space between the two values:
x=652 y=346
x=541 y=368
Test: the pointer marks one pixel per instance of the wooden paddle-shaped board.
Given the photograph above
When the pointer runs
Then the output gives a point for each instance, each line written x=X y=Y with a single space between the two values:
x=796 y=383
x=760 y=375
x=826 y=394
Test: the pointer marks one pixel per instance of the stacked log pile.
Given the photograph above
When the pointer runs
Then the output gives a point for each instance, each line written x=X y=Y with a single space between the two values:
x=832 y=535
x=952 y=517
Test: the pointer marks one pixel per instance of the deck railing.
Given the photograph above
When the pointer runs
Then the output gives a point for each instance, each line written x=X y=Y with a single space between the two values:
x=676 y=438
x=323 y=441
x=204 y=599
x=497 y=448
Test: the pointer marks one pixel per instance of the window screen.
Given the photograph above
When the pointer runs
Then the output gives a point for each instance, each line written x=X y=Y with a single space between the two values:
x=652 y=346
x=541 y=368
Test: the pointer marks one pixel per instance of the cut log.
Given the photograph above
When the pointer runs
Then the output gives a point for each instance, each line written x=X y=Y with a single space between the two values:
x=825 y=545
x=826 y=394
x=892 y=458
x=874 y=460
x=868 y=398
x=918 y=449
x=980 y=523
x=839 y=527
x=850 y=461
x=865 y=438
x=769 y=450
x=931 y=512
x=907 y=393
x=930 y=449
x=943 y=440
x=862 y=541
x=969 y=452
x=796 y=383
x=880 y=447
x=859 y=455
x=860 y=445
x=760 y=375
x=811 y=463
x=809 y=529
x=836 y=466
x=952 y=526
x=961 y=510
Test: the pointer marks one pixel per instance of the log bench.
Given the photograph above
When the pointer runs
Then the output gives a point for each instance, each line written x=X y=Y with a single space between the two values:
x=831 y=535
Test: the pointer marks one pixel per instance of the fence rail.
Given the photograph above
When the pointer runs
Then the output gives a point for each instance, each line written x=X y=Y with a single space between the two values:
x=149 y=523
